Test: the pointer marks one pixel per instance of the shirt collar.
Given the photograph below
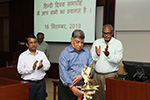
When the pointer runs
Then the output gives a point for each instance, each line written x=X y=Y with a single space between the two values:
x=29 y=53
x=111 y=41
x=72 y=50
x=41 y=43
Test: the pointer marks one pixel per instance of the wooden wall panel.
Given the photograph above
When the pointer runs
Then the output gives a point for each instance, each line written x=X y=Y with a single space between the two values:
x=1 y=35
x=21 y=24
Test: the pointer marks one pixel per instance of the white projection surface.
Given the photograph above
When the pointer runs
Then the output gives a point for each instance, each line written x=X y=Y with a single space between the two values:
x=57 y=19
x=132 y=15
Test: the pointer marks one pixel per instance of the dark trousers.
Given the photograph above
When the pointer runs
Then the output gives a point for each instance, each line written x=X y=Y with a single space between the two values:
x=64 y=93
x=37 y=91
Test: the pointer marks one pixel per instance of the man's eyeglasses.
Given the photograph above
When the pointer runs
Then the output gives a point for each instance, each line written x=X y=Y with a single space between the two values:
x=107 y=32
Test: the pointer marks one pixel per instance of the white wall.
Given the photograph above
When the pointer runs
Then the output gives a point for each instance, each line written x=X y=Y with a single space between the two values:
x=132 y=15
x=56 y=48
x=136 y=45
x=133 y=29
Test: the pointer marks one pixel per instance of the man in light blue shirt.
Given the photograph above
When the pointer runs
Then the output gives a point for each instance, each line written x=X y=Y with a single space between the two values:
x=71 y=62
x=32 y=65
x=42 y=45
x=107 y=52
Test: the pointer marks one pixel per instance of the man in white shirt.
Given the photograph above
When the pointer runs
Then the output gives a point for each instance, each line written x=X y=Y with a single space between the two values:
x=107 y=52
x=32 y=65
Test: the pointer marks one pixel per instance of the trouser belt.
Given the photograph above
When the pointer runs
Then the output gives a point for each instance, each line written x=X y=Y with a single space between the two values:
x=105 y=73
x=34 y=81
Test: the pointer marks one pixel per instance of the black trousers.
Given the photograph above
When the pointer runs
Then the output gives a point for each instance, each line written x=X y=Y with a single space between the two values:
x=64 y=93
x=37 y=91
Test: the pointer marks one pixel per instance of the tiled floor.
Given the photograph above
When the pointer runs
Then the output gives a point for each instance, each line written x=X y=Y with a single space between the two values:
x=49 y=89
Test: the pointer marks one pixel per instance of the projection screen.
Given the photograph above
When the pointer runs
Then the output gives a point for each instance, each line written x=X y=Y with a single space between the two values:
x=57 y=19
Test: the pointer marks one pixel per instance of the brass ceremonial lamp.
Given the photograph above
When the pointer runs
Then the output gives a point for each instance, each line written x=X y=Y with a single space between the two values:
x=87 y=89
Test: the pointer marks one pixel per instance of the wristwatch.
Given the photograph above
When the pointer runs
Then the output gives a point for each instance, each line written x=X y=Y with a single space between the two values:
x=107 y=53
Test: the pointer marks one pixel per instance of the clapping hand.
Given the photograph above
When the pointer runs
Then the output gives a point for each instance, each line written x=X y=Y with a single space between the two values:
x=34 y=65
x=98 y=50
x=106 y=51
x=40 y=65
